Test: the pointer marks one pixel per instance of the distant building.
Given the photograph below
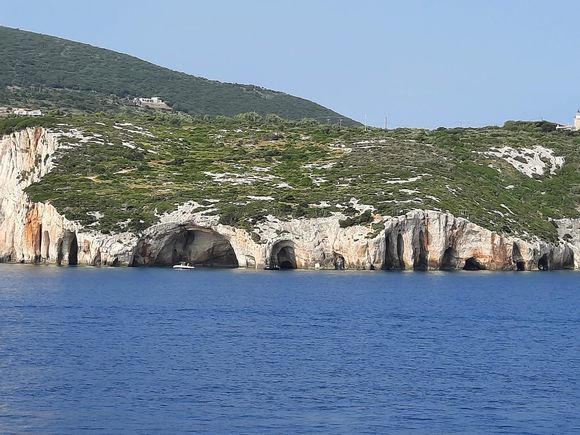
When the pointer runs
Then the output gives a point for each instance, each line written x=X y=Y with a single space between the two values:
x=575 y=124
x=153 y=103
x=26 y=112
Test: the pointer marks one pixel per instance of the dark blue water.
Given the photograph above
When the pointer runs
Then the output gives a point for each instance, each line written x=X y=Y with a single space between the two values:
x=155 y=350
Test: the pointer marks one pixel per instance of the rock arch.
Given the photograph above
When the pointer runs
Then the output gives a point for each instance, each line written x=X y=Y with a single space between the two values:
x=420 y=254
x=472 y=263
x=544 y=262
x=394 y=251
x=389 y=260
x=283 y=255
x=198 y=246
x=449 y=260
x=517 y=258
x=338 y=261
x=68 y=249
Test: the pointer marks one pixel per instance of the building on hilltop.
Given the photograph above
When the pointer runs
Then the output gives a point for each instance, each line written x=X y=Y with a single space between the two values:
x=26 y=112
x=153 y=103
x=575 y=124
x=6 y=111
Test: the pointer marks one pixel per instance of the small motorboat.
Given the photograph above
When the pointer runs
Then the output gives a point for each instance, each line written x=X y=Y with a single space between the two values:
x=183 y=266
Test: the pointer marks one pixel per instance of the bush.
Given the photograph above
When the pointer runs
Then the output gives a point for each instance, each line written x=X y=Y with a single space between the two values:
x=273 y=119
x=251 y=118
x=230 y=215
x=362 y=219
x=15 y=123
x=540 y=126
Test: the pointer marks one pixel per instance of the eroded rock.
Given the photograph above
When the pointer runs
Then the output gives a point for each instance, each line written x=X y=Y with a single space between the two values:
x=419 y=240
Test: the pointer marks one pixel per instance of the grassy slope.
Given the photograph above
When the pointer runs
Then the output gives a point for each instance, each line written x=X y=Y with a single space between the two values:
x=319 y=163
x=31 y=59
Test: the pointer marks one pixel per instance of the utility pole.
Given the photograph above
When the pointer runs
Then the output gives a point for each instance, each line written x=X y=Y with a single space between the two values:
x=386 y=123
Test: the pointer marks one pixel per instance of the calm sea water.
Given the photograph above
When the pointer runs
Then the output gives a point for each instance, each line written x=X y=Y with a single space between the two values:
x=221 y=351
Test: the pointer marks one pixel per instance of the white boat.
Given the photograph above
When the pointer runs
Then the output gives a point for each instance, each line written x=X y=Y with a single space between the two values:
x=183 y=266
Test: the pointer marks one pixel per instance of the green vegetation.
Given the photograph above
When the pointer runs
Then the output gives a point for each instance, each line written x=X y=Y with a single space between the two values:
x=10 y=124
x=361 y=219
x=64 y=100
x=129 y=168
x=53 y=72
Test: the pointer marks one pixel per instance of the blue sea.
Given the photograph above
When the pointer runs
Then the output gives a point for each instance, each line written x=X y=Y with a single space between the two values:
x=137 y=350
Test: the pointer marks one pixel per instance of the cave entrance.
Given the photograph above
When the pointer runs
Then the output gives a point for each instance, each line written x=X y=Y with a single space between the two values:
x=73 y=251
x=473 y=264
x=198 y=247
x=568 y=262
x=97 y=260
x=283 y=255
x=394 y=252
x=68 y=249
x=420 y=255
x=517 y=258
x=449 y=260
x=544 y=262
x=339 y=262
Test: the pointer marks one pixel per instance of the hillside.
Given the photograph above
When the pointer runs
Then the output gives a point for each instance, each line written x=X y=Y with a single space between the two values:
x=52 y=72
x=122 y=173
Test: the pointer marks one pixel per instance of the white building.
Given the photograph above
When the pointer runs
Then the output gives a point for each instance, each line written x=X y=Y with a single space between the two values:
x=575 y=124
x=153 y=102
x=26 y=112
x=156 y=100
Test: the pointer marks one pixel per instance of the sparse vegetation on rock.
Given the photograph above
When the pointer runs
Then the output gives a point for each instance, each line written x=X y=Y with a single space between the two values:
x=129 y=169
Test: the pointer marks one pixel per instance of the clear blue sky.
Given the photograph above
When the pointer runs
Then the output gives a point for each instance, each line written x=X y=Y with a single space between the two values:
x=424 y=63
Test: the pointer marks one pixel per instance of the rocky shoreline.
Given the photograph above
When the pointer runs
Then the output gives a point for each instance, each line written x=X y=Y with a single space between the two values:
x=419 y=240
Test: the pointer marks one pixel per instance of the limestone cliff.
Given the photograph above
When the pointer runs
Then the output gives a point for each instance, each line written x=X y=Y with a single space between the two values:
x=36 y=232
x=28 y=232
x=419 y=240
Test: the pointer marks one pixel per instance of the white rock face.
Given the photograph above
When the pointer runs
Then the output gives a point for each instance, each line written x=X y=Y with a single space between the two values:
x=421 y=240
x=529 y=161
x=36 y=232
x=25 y=157
x=569 y=233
